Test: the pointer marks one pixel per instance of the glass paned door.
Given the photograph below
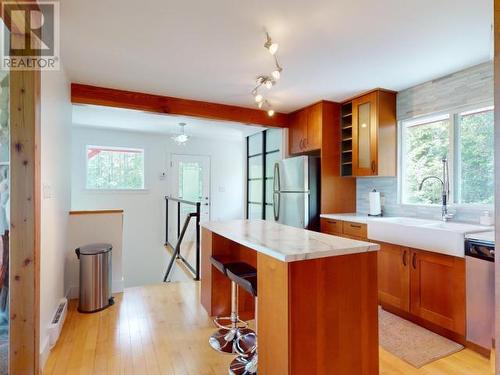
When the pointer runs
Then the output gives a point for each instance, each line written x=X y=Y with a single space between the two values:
x=364 y=151
x=190 y=181
x=364 y=135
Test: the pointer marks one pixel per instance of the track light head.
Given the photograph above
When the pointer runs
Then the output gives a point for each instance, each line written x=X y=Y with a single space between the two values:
x=271 y=47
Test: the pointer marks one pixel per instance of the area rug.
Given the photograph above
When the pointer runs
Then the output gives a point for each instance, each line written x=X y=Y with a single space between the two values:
x=412 y=343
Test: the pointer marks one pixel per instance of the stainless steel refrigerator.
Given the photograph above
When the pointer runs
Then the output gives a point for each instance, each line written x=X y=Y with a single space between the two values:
x=296 y=192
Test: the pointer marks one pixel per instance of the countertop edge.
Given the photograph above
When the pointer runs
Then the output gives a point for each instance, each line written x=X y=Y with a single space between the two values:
x=370 y=247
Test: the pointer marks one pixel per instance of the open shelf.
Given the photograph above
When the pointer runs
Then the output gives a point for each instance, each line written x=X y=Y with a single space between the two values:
x=346 y=139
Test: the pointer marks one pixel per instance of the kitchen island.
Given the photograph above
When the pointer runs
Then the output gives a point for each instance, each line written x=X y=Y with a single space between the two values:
x=317 y=295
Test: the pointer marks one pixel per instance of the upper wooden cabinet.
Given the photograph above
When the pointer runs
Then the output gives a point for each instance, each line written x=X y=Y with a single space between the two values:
x=369 y=135
x=306 y=129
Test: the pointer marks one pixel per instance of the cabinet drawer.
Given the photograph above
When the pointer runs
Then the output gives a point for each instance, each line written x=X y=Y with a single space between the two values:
x=331 y=226
x=354 y=229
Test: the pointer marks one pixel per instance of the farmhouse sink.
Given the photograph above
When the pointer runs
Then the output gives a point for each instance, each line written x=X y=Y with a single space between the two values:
x=432 y=235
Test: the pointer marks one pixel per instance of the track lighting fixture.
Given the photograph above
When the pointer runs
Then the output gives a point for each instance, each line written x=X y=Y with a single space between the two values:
x=268 y=81
x=276 y=73
x=271 y=47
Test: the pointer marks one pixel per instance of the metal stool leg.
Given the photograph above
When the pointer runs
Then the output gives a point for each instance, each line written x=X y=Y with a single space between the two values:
x=224 y=338
x=246 y=346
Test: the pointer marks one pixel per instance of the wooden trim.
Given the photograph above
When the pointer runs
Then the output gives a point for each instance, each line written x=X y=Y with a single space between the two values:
x=496 y=90
x=24 y=274
x=87 y=94
x=350 y=99
x=96 y=212
x=478 y=349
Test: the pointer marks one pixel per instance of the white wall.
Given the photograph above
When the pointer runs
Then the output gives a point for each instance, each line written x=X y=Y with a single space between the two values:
x=144 y=258
x=94 y=228
x=56 y=183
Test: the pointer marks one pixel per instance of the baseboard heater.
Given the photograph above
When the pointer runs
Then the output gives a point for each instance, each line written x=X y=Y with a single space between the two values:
x=58 y=322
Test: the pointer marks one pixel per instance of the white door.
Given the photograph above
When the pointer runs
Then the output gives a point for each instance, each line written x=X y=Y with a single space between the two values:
x=190 y=181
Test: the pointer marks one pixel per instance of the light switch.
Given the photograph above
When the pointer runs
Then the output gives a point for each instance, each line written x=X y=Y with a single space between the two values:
x=47 y=191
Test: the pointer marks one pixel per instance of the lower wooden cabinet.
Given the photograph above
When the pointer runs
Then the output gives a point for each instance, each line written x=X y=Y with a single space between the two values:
x=394 y=276
x=347 y=229
x=437 y=289
x=420 y=284
x=429 y=286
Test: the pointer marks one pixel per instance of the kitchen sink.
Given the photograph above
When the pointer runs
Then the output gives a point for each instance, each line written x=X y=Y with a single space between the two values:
x=432 y=235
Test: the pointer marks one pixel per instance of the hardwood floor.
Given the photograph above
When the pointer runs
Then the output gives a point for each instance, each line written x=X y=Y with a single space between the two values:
x=162 y=329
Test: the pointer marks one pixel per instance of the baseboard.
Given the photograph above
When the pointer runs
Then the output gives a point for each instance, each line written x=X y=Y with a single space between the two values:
x=117 y=287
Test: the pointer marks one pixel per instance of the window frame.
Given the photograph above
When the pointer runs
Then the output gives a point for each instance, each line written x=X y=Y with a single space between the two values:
x=453 y=116
x=115 y=190
x=264 y=153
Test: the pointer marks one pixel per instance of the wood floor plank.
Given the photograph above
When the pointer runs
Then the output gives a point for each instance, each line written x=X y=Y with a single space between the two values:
x=162 y=329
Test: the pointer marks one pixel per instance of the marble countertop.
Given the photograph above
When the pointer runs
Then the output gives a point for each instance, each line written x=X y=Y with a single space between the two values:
x=353 y=217
x=284 y=242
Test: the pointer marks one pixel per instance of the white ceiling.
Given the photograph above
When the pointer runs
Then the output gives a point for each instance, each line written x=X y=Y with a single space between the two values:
x=131 y=120
x=213 y=50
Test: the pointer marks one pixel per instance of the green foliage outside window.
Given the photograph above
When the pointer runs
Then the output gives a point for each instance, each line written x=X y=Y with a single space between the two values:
x=115 y=168
x=425 y=145
x=476 y=158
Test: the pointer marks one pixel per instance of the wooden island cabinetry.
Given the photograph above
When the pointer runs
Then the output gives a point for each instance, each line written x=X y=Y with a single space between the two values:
x=317 y=295
x=425 y=287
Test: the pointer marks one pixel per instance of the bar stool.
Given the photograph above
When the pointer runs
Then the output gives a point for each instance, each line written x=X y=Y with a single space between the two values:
x=246 y=344
x=223 y=340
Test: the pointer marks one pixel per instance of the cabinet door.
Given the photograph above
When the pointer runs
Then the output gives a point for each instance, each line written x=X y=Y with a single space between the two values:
x=364 y=135
x=314 y=123
x=394 y=276
x=331 y=226
x=437 y=285
x=298 y=132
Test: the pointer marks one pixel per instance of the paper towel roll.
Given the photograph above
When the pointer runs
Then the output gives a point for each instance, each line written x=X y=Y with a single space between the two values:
x=375 y=206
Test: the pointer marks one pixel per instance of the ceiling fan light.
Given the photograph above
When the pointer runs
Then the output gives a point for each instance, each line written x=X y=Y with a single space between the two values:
x=258 y=98
x=260 y=104
x=276 y=74
x=269 y=84
x=181 y=138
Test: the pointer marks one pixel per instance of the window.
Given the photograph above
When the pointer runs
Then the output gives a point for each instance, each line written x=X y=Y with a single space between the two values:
x=263 y=151
x=466 y=140
x=425 y=144
x=115 y=168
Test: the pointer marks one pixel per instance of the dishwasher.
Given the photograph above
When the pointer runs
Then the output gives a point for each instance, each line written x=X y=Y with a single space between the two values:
x=480 y=287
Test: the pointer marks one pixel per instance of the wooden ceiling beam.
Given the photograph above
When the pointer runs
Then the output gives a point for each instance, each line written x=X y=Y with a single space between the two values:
x=87 y=94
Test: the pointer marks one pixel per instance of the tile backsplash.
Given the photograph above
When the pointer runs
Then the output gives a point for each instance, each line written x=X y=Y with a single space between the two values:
x=388 y=188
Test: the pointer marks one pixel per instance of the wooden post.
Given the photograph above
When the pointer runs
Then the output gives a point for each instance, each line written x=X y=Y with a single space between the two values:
x=25 y=222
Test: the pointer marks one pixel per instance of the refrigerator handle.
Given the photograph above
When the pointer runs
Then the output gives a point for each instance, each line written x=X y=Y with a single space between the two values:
x=276 y=194
x=276 y=181
x=276 y=206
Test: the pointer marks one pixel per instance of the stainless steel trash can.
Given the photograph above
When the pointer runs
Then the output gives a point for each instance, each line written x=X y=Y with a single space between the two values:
x=95 y=277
